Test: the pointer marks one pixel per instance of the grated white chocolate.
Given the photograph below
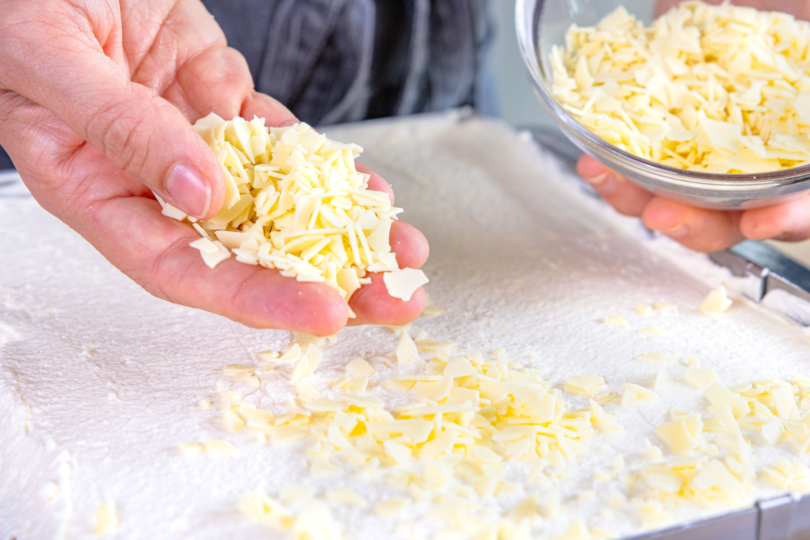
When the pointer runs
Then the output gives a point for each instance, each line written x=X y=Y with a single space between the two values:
x=716 y=89
x=294 y=201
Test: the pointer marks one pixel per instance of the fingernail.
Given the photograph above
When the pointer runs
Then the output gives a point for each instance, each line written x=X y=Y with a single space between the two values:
x=189 y=190
x=677 y=232
x=596 y=180
x=604 y=184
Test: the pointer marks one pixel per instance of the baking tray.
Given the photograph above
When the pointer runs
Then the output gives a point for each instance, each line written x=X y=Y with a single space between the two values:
x=781 y=518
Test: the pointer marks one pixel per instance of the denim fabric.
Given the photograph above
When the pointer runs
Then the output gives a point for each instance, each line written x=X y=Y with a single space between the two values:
x=333 y=61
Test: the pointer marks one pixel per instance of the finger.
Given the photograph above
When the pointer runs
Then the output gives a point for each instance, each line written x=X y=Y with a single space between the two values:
x=263 y=106
x=48 y=155
x=167 y=267
x=190 y=64
x=376 y=182
x=217 y=80
x=789 y=221
x=622 y=194
x=187 y=60
x=152 y=249
x=409 y=244
x=696 y=228
x=373 y=305
x=140 y=133
x=799 y=8
x=665 y=5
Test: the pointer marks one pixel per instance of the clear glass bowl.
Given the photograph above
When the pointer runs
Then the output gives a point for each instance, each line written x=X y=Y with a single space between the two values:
x=543 y=23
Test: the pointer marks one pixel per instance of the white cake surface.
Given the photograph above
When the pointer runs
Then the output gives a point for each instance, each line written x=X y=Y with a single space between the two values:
x=99 y=381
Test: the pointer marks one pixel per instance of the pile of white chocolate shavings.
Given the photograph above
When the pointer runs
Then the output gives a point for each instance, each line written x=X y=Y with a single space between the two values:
x=467 y=417
x=295 y=202
x=716 y=89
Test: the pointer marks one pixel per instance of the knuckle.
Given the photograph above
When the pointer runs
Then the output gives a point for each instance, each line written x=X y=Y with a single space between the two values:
x=14 y=45
x=122 y=131
x=217 y=79
x=156 y=276
x=712 y=244
x=25 y=32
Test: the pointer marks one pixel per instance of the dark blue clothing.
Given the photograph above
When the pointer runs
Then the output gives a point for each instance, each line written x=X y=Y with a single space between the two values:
x=334 y=61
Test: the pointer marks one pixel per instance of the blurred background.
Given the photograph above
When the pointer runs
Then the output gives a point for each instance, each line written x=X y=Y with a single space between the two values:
x=517 y=102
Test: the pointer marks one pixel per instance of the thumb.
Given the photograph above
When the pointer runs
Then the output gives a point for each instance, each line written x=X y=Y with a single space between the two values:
x=149 y=138
x=138 y=131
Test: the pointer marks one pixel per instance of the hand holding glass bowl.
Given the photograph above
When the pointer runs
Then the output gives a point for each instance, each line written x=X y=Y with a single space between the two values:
x=705 y=212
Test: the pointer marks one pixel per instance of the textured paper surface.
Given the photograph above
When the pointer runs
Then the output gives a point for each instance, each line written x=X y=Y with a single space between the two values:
x=104 y=378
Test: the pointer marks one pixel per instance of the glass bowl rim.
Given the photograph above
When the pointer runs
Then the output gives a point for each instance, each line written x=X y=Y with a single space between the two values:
x=529 y=46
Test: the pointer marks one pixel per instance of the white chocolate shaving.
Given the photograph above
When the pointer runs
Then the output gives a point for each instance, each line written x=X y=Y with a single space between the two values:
x=643 y=309
x=585 y=385
x=577 y=531
x=359 y=368
x=218 y=447
x=701 y=378
x=265 y=510
x=106 y=518
x=307 y=363
x=790 y=475
x=406 y=349
x=616 y=320
x=402 y=283
x=717 y=302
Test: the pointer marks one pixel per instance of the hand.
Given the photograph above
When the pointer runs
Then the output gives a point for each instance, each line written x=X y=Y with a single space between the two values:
x=96 y=104
x=799 y=8
x=698 y=228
